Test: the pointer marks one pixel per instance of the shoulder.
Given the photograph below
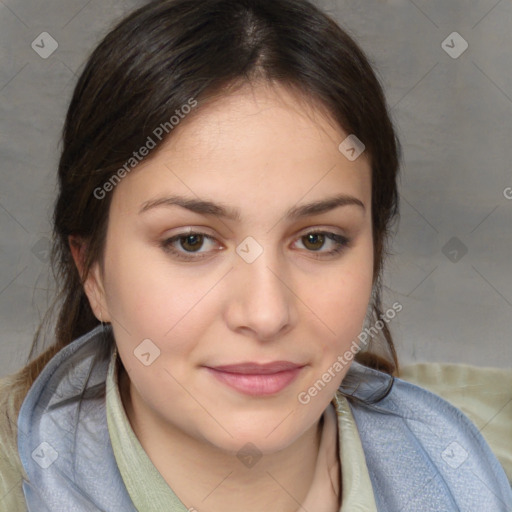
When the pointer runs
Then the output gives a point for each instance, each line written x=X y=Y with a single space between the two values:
x=12 y=393
x=484 y=395
x=412 y=436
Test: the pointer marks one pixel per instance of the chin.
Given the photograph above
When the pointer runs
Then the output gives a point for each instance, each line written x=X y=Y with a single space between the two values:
x=254 y=444
x=263 y=435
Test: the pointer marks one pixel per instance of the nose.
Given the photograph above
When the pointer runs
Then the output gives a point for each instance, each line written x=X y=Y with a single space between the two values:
x=262 y=302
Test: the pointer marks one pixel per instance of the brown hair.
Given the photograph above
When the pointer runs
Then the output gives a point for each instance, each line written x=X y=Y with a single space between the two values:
x=153 y=62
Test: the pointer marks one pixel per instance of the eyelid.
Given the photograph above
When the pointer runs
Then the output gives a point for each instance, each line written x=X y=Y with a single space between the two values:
x=321 y=229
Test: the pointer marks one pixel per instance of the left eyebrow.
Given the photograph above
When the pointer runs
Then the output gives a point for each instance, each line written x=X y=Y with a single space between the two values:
x=323 y=206
x=210 y=208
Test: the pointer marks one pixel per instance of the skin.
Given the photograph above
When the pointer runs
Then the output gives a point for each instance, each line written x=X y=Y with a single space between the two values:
x=262 y=150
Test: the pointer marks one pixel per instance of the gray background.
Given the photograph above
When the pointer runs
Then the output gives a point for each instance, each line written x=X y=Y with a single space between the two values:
x=453 y=117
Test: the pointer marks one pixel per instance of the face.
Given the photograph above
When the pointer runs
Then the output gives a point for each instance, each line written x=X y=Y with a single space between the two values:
x=237 y=268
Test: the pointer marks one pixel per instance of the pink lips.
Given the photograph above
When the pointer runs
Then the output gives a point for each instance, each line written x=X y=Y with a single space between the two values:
x=257 y=379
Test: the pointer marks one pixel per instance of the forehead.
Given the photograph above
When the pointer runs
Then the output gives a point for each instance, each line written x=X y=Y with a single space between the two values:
x=258 y=113
x=258 y=142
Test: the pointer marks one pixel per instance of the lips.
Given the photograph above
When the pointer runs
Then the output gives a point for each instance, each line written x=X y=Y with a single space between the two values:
x=257 y=369
x=257 y=379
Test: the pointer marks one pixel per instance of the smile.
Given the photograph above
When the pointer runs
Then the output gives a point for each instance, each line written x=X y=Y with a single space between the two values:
x=255 y=379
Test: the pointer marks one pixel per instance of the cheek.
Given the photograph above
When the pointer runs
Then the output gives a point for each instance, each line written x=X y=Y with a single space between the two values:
x=341 y=302
x=145 y=293
x=149 y=299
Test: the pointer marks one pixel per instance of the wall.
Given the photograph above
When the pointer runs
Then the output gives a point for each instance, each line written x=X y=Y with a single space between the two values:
x=450 y=266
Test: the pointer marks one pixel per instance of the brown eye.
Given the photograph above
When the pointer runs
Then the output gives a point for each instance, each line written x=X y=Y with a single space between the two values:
x=313 y=241
x=192 y=243
x=190 y=246
x=323 y=244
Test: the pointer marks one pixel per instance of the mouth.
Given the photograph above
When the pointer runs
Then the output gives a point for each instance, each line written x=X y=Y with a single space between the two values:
x=256 y=379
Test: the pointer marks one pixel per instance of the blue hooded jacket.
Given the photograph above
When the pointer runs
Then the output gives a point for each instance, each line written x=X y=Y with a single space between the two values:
x=422 y=453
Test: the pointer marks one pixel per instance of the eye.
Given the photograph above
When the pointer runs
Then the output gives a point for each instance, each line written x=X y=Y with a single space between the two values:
x=193 y=246
x=186 y=245
x=318 y=241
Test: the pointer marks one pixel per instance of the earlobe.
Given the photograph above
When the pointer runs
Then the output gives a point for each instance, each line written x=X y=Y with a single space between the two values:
x=93 y=283
x=93 y=287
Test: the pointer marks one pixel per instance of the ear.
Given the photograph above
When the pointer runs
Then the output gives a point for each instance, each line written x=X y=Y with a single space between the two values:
x=93 y=284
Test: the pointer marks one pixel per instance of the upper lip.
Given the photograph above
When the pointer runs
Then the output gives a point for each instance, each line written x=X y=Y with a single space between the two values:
x=257 y=368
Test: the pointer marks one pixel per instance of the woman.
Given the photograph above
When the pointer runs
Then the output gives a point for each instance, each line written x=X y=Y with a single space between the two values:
x=227 y=183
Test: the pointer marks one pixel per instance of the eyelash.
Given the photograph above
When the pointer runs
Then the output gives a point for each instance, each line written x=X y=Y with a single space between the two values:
x=341 y=242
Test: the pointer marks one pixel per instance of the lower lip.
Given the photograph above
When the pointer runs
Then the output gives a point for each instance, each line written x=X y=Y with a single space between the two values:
x=257 y=385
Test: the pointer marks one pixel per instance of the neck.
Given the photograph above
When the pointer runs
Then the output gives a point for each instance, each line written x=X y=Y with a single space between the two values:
x=277 y=482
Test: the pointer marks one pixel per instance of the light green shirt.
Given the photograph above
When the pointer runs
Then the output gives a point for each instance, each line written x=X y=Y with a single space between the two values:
x=149 y=491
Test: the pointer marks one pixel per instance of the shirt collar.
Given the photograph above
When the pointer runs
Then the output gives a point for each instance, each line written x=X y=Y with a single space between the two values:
x=339 y=442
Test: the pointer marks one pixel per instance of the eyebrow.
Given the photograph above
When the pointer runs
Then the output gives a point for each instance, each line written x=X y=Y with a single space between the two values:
x=218 y=210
